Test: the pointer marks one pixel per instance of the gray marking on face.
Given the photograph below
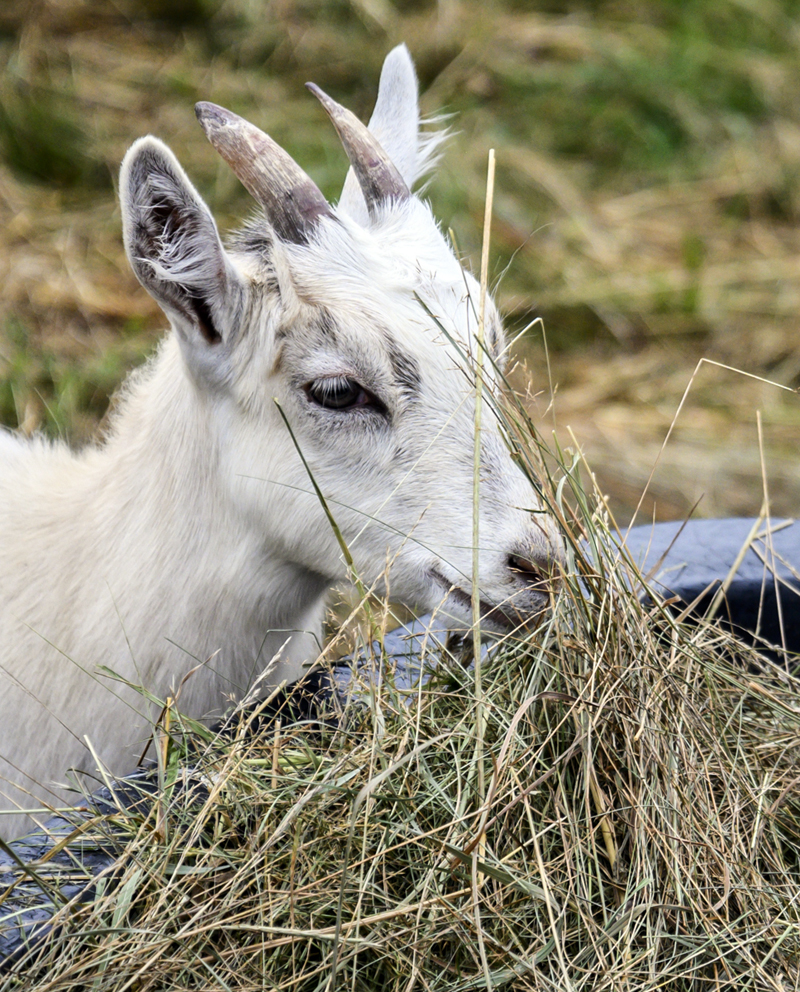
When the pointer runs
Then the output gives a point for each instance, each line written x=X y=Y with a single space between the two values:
x=254 y=238
x=403 y=456
x=237 y=304
x=326 y=325
x=406 y=371
x=494 y=337
x=256 y=241
x=323 y=323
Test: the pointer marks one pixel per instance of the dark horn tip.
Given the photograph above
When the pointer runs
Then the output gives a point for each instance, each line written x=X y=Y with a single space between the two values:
x=327 y=102
x=210 y=115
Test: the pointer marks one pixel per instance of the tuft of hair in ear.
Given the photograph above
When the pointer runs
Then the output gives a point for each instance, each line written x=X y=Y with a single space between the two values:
x=172 y=241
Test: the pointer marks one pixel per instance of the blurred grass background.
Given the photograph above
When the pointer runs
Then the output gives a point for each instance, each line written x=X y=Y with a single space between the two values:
x=646 y=205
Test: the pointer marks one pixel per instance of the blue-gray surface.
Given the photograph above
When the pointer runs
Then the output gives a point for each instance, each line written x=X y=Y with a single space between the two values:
x=35 y=882
x=689 y=562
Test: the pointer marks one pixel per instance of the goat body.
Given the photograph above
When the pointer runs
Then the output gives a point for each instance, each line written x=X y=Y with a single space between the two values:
x=192 y=537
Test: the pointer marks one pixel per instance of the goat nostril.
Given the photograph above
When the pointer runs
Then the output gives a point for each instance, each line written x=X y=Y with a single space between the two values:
x=539 y=574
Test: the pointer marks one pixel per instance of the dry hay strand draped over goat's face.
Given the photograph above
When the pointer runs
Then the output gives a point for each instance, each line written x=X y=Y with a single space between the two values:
x=640 y=827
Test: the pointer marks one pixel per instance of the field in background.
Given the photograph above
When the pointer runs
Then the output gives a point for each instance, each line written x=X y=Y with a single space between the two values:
x=646 y=206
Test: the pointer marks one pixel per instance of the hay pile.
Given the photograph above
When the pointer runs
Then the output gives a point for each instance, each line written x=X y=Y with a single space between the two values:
x=626 y=815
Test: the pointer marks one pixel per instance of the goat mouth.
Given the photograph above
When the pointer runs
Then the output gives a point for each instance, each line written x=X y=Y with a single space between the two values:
x=498 y=617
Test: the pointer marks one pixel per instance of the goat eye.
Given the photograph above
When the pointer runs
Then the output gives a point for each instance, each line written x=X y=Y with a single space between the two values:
x=338 y=393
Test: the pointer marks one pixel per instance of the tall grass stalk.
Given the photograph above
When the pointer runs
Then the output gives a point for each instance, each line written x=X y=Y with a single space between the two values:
x=480 y=718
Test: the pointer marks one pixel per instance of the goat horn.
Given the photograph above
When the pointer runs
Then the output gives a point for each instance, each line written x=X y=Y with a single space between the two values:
x=378 y=177
x=292 y=201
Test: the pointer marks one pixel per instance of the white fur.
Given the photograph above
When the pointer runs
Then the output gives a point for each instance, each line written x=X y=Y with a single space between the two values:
x=192 y=534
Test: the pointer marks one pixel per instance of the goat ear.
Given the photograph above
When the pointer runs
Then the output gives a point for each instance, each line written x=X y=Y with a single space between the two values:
x=395 y=123
x=174 y=248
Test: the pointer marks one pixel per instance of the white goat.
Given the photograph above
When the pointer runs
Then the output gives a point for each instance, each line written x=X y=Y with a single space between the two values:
x=192 y=532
